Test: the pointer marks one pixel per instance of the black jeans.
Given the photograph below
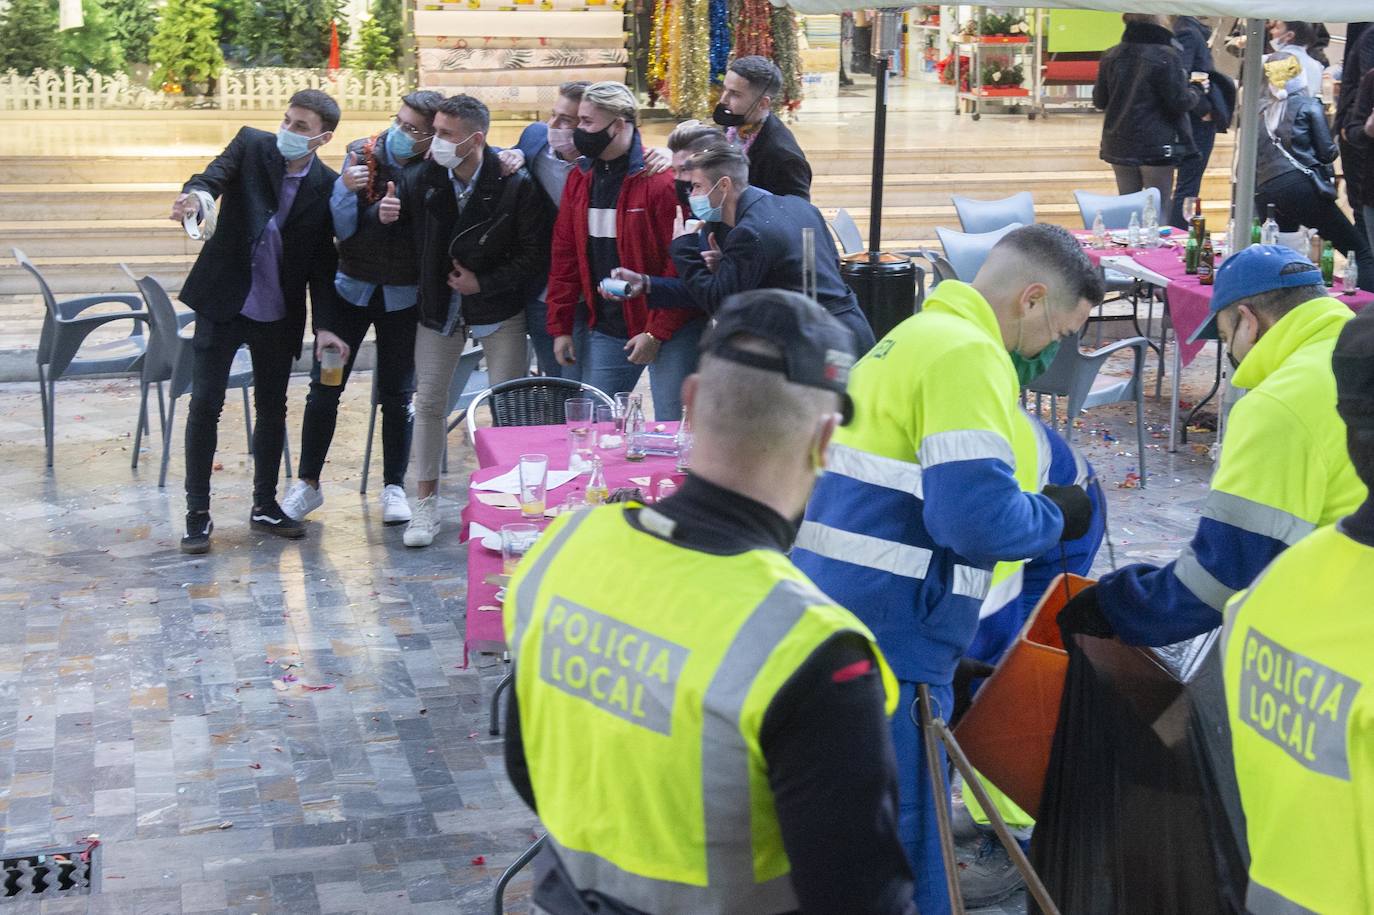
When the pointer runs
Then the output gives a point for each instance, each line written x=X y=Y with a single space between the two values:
x=273 y=352
x=1188 y=181
x=395 y=375
x=1296 y=203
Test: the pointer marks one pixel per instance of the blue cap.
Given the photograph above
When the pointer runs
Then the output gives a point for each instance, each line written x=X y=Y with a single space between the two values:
x=1257 y=269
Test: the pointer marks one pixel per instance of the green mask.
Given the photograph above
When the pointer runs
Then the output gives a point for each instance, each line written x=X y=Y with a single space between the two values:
x=1028 y=369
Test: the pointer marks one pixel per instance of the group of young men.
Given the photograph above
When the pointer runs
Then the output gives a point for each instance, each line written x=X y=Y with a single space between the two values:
x=438 y=241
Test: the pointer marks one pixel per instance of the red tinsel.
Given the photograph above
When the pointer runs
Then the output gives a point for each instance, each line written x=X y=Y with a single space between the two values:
x=754 y=30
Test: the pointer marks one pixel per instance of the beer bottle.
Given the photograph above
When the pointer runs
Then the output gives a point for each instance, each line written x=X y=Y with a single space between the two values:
x=1328 y=264
x=1206 y=262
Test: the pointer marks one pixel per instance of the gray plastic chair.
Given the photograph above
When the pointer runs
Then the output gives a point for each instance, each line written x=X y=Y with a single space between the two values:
x=1116 y=209
x=847 y=231
x=465 y=385
x=1072 y=373
x=171 y=359
x=64 y=336
x=967 y=251
x=977 y=216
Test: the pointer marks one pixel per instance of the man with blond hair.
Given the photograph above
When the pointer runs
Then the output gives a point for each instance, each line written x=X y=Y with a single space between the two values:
x=615 y=214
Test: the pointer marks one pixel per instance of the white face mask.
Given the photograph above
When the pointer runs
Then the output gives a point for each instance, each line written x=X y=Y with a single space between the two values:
x=561 y=139
x=445 y=152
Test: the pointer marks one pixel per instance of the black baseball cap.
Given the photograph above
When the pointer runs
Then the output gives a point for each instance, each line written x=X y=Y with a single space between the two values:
x=1352 y=362
x=817 y=350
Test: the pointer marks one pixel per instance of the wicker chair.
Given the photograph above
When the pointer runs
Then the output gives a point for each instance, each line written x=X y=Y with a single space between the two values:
x=532 y=401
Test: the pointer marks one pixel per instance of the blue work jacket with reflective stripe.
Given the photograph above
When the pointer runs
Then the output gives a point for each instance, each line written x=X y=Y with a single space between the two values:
x=1006 y=610
x=931 y=487
x=1283 y=472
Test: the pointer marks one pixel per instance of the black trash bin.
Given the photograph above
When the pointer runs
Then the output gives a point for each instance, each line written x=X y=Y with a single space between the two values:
x=886 y=287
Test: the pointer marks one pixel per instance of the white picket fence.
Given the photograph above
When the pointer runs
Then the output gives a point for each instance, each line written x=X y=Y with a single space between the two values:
x=271 y=88
x=68 y=90
x=266 y=89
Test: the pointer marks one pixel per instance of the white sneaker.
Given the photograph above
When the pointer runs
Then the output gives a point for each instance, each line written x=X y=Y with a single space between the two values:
x=424 y=527
x=395 y=506
x=301 y=500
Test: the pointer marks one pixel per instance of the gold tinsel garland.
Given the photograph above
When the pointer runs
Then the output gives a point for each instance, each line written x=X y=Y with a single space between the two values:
x=680 y=56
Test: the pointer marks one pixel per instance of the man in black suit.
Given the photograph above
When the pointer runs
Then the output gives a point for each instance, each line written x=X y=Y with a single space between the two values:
x=274 y=237
x=776 y=162
x=761 y=246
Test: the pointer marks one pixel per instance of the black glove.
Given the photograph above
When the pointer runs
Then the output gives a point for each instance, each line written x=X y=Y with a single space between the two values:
x=1075 y=506
x=1083 y=614
x=969 y=669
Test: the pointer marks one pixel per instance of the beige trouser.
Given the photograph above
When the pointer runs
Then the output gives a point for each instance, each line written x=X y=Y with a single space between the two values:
x=436 y=357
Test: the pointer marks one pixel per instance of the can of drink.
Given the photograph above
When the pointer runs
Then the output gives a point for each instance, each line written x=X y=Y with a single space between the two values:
x=613 y=288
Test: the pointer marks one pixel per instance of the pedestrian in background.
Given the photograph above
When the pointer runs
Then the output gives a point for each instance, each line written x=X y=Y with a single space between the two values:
x=1144 y=90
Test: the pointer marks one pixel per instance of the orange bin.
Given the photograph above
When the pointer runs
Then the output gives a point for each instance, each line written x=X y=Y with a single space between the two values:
x=1008 y=730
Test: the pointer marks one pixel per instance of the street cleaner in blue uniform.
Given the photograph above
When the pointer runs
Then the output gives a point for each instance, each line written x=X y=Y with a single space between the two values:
x=931 y=496
x=1283 y=470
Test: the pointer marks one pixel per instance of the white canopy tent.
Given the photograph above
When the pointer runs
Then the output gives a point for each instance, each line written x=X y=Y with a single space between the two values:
x=1253 y=12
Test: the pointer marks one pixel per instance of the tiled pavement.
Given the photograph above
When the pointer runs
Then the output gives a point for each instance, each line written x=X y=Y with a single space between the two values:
x=165 y=703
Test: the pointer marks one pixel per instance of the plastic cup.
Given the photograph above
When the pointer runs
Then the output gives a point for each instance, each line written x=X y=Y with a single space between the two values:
x=516 y=540
x=576 y=501
x=622 y=410
x=577 y=412
x=331 y=367
x=580 y=444
x=534 y=469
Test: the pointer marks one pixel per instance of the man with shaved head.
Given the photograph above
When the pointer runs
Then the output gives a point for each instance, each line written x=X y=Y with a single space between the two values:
x=931 y=500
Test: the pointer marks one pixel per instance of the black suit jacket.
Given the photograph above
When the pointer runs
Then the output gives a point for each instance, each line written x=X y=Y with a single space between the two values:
x=762 y=251
x=505 y=241
x=247 y=178
x=777 y=164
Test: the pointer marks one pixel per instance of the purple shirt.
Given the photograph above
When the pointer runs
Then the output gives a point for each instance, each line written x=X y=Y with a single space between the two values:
x=265 y=301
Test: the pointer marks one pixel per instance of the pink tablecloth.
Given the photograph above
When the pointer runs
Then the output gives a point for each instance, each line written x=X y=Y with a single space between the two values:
x=1188 y=301
x=498 y=450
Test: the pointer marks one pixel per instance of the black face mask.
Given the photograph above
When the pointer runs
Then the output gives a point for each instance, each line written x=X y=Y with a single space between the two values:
x=592 y=143
x=727 y=118
x=684 y=191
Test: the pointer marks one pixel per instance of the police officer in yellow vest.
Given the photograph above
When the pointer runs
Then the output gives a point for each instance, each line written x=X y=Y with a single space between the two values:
x=1283 y=469
x=1299 y=671
x=700 y=729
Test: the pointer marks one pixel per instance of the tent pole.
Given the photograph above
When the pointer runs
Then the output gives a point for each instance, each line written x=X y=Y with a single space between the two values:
x=1252 y=87
x=875 y=201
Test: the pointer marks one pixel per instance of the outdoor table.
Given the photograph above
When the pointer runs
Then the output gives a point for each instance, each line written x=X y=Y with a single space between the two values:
x=498 y=450
x=1187 y=303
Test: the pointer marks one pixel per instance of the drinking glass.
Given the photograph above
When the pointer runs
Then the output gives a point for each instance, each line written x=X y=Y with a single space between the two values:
x=606 y=438
x=580 y=442
x=1190 y=209
x=577 y=412
x=622 y=410
x=331 y=367
x=534 y=470
x=516 y=540
x=576 y=502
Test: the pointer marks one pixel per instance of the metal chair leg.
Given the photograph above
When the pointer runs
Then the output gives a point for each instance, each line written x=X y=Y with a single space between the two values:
x=367 y=452
x=167 y=443
x=286 y=455
x=140 y=425
x=248 y=420
x=1140 y=426
x=495 y=724
x=499 y=896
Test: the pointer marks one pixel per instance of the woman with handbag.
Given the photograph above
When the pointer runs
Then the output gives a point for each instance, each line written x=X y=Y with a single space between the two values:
x=1293 y=170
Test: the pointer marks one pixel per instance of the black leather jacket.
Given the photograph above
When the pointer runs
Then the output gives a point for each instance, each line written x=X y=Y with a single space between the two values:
x=502 y=238
x=1304 y=133
x=1144 y=91
x=375 y=253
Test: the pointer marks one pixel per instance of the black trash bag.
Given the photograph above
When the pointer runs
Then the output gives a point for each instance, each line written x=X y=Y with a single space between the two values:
x=1141 y=813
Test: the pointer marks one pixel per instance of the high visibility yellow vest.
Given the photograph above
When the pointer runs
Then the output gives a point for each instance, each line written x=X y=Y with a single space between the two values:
x=1299 y=674
x=643 y=673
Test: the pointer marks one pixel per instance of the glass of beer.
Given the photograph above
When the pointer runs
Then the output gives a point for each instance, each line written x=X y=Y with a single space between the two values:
x=331 y=367
x=534 y=470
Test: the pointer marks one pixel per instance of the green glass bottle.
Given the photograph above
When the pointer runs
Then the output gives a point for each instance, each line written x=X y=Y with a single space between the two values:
x=1328 y=264
x=1256 y=231
x=1191 y=250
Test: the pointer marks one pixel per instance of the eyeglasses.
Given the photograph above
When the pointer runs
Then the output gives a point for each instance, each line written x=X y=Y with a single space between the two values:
x=409 y=130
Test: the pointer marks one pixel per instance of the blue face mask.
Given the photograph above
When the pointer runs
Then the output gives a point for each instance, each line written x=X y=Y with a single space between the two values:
x=399 y=143
x=702 y=209
x=293 y=146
